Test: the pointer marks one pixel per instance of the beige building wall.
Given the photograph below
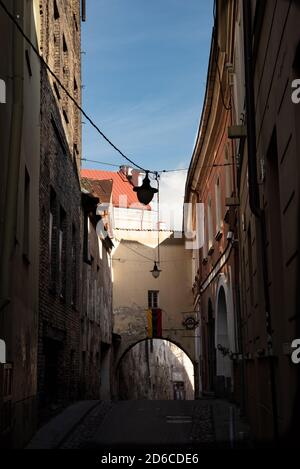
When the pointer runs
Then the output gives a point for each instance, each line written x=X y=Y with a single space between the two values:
x=133 y=259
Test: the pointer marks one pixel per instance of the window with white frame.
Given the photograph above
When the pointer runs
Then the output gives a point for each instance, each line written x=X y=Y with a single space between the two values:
x=228 y=173
x=218 y=206
x=209 y=224
x=153 y=298
x=204 y=249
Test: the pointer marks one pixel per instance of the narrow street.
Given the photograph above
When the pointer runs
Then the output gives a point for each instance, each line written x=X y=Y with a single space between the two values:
x=149 y=226
x=138 y=424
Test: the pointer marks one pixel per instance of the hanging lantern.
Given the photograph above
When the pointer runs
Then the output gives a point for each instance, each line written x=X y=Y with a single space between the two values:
x=145 y=192
x=155 y=271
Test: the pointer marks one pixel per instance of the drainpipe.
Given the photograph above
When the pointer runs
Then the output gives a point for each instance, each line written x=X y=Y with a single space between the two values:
x=254 y=193
x=14 y=156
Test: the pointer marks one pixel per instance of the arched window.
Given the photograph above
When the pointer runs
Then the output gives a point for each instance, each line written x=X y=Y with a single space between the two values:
x=228 y=168
x=209 y=224
x=218 y=206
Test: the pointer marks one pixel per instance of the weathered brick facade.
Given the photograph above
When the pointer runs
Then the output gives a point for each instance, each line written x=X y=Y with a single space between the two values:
x=60 y=202
x=96 y=312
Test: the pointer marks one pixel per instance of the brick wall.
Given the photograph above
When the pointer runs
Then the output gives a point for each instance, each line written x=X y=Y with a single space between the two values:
x=96 y=311
x=60 y=201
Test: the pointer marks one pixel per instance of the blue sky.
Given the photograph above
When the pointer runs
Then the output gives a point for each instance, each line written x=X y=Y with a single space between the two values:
x=144 y=72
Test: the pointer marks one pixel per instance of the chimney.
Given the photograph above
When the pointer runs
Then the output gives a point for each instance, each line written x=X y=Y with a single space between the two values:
x=137 y=177
x=127 y=171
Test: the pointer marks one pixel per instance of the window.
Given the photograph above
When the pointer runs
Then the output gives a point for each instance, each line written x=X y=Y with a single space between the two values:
x=65 y=47
x=26 y=214
x=86 y=232
x=228 y=167
x=55 y=8
x=153 y=298
x=75 y=22
x=218 y=206
x=250 y=266
x=74 y=262
x=204 y=249
x=56 y=90
x=52 y=238
x=65 y=114
x=62 y=252
x=59 y=136
x=210 y=224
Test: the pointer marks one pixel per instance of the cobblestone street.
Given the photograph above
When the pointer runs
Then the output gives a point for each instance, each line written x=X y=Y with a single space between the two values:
x=198 y=424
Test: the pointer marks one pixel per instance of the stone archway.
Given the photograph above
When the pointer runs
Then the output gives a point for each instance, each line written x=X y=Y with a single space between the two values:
x=132 y=344
x=131 y=326
x=136 y=370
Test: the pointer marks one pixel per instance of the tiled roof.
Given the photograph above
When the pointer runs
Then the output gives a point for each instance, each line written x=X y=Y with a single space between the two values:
x=101 y=189
x=121 y=187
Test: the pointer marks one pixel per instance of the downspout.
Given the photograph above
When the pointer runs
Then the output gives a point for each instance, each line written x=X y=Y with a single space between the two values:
x=14 y=156
x=254 y=193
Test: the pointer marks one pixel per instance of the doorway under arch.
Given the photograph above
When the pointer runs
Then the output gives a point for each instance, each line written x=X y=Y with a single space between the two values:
x=155 y=369
x=211 y=347
x=223 y=362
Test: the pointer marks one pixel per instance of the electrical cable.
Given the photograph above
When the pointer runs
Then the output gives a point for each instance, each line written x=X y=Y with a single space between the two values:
x=215 y=165
x=138 y=253
x=92 y=123
x=43 y=62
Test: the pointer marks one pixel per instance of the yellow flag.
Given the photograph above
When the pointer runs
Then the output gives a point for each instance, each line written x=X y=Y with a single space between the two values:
x=149 y=319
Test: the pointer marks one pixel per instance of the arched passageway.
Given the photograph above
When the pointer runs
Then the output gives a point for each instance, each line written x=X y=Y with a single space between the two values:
x=223 y=363
x=211 y=347
x=155 y=369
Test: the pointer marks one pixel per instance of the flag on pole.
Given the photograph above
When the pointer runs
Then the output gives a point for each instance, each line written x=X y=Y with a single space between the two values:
x=154 y=318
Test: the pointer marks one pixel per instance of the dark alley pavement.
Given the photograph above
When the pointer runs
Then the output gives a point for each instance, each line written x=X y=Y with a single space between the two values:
x=152 y=423
x=97 y=424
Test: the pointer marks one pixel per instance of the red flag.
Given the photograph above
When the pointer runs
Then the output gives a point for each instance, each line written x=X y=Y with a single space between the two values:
x=156 y=323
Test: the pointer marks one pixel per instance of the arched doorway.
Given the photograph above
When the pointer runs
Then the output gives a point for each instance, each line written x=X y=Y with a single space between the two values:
x=155 y=369
x=223 y=363
x=211 y=347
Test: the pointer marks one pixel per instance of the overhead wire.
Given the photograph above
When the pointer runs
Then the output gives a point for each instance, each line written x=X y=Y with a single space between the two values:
x=57 y=79
x=162 y=171
x=79 y=107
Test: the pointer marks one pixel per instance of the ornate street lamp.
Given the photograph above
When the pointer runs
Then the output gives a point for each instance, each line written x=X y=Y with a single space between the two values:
x=145 y=192
x=155 y=271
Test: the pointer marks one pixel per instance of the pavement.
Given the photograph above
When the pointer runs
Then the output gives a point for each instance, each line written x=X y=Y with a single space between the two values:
x=201 y=423
x=54 y=432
